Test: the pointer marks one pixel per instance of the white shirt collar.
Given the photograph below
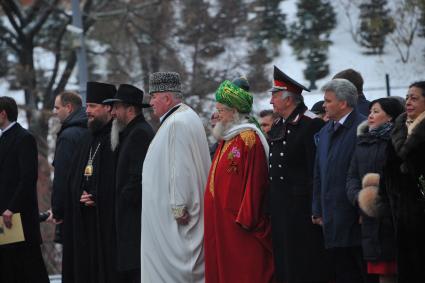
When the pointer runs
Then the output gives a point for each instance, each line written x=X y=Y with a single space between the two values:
x=163 y=116
x=7 y=128
x=342 y=120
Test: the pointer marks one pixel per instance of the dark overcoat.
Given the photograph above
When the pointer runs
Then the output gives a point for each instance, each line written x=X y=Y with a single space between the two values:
x=378 y=239
x=134 y=142
x=363 y=105
x=298 y=246
x=21 y=262
x=68 y=138
x=89 y=246
x=405 y=187
x=18 y=179
x=341 y=226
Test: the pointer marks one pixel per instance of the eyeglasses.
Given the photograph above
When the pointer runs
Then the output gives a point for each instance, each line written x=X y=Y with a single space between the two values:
x=221 y=110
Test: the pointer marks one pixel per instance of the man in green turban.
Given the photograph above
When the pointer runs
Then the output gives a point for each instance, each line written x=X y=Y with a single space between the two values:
x=234 y=96
x=234 y=215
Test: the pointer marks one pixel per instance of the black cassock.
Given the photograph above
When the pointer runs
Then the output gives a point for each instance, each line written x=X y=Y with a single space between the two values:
x=298 y=246
x=89 y=252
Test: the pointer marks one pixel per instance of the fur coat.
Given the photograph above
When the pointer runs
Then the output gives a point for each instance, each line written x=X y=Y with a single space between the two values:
x=404 y=189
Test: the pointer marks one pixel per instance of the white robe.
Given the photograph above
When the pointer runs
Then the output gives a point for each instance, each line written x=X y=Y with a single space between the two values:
x=175 y=172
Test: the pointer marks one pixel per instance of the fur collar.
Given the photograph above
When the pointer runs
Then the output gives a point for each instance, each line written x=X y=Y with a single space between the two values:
x=405 y=140
x=362 y=128
x=415 y=123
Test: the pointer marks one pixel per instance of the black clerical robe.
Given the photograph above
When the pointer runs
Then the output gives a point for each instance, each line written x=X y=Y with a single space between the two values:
x=89 y=238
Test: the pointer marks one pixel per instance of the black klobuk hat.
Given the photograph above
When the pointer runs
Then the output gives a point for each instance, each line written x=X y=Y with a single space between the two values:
x=97 y=92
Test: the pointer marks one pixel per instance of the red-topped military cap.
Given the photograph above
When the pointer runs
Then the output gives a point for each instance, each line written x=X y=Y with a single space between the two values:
x=282 y=81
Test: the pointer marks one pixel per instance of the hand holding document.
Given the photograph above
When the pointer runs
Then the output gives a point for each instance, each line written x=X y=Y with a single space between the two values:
x=14 y=234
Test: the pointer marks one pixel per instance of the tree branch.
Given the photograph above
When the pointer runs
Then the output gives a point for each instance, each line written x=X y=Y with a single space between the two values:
x=58 y=56
x=16 y=10
x=35 y=8
x=5 y=4
x=70 y=64
x=9 y=41
x=43 y=18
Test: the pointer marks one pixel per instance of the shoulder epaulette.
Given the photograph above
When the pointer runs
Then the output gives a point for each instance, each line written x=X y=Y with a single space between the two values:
x=248 y=138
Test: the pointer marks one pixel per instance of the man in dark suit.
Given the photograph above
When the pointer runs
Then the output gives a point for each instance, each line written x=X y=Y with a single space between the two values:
x=298 y=246
x=130 y=139
x=22 y=261
x=331 y=208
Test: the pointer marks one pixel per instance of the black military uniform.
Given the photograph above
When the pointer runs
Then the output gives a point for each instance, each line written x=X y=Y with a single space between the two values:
x=298 y=245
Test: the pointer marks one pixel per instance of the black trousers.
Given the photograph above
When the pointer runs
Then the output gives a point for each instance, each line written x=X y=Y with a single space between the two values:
x=349 y=265
x=22 y=264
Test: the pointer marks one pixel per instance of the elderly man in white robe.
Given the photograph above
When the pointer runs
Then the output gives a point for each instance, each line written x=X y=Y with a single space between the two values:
x=174 y=175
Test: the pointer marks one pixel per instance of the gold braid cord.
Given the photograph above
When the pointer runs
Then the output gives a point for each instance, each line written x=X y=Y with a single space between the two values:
x=223 y=150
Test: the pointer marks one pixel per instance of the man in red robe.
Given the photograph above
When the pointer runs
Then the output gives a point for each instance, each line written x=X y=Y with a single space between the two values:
x=237 y=231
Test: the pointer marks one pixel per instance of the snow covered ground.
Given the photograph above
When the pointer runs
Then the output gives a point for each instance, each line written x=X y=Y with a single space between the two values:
x=344 y=54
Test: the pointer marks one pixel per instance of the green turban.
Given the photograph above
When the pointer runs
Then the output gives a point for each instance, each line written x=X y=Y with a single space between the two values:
x=234 y=96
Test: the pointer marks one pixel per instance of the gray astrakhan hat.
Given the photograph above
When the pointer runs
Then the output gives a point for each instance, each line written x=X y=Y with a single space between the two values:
x=164 y=82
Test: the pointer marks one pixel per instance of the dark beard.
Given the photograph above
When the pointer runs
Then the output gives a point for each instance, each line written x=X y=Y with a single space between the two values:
x=95 y=126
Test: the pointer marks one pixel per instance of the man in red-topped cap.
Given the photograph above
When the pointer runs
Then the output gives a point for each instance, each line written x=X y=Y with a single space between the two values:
x=298 y=246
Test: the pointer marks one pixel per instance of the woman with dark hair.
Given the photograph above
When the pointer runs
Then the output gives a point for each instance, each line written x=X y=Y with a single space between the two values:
x=378 y=240
x=404 y=186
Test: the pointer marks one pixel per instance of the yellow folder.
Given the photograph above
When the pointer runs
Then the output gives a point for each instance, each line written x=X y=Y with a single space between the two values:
x=13 y=235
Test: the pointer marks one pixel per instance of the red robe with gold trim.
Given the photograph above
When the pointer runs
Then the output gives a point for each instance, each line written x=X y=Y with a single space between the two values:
x=237 y=232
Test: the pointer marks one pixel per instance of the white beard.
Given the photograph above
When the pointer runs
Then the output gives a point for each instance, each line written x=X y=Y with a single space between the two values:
x=220 y=129
x=117 y=128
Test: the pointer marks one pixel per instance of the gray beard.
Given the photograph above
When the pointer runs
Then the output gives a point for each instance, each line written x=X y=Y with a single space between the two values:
x=117 y=128
x=220 y=129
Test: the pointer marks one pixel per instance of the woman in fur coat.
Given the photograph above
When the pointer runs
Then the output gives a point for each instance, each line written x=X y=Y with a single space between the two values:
x=378 y=240
x=404 y=186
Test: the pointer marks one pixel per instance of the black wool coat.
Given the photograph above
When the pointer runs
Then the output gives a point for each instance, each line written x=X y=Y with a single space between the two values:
x=298 y=246
x=89 y=245
x=68 y=138
x=378 y=239
x=18 y=180
x=363 y=105
x=405 y=187
x=134 y=142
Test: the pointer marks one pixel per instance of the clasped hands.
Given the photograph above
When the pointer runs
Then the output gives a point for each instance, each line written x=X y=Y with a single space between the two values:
x=87 y=199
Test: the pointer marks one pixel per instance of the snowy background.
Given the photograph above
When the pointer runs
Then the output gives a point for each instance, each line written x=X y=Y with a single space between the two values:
x=344 y=53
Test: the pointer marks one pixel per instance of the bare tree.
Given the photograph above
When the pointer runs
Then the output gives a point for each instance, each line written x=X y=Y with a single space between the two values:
x=40 y=24
x=351 y=11
x=406 y=17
